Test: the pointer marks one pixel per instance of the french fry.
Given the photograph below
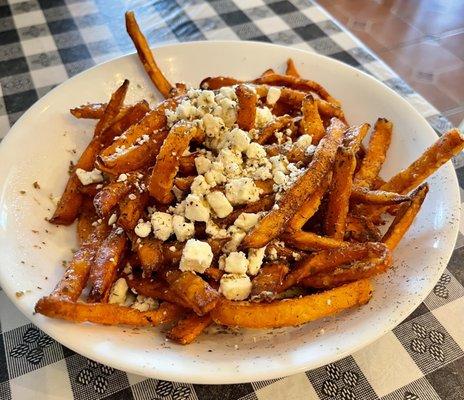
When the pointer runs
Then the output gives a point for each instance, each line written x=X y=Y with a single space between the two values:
x=274 y=222
x=151 y=254
x=85 y=221
x=246 y=111
x=189 y=328
x=310 y=241
x=311 y=122
x=89 y=111
x=280 y=123
x=187 y=164
x=327 y=261
x=193 y=290
x=361 y=229
x=267 y=72
x=112 y=109
x=106 y=314
x=131 y=209
x=380 y=197
x=375 y=155
x=309 y=208
x=450 y=144
x=183 y=182
x=146 y=56
x=292 y=312
x=277 y=250
x=265 y=203
x=358 y=270
x=77 y=272
x=268 y=281
x=291 y=69
x=214 y=273
x=71 y=199
x=154 y=289
x=217 y=82
x=105 y=265
x=404 y=217
x=106 y=200
x=167 y=161
x=338 y=201
x=354 y=136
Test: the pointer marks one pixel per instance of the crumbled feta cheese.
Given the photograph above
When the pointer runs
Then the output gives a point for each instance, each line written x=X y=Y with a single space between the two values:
x=229 y=111
x=272 y=254
x=215 y=175
x=304 y=141
x=255 y=150
x=255 y=260
x=196 y=256
x=263 y=117
x=227 y=91
x=89 y=177
x=144 y=303
x=112 y=219
x=279 y=163
x=143 y=228
x=236 y=263
x=122 y=178
x=132 y=196
x=246 y=221
x=242 y=191
x=215 y=231
x=186 y=110
x=183 y=230
x=196 y=209
x=279 y=177
x=238 y=140
x=179 y=194
x=273 y=95
x=118 y=292
x=213 y=125
x=236 y=235
x=235 y=287
x=202 y=164
x=310 y=150
x=199 y=186
x=205 y=98
x=162 y=225
x=219 y=203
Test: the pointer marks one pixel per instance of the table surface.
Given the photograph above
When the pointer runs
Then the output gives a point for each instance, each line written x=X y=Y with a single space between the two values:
x=43 y=42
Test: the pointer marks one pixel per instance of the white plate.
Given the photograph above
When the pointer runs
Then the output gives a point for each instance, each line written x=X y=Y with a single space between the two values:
x=40 y=146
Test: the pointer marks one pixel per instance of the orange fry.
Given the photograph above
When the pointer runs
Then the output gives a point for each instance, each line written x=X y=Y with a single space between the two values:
x=146 y=56
x=279 y=124
x=375 y=155
x=189 y=328
x=109 y=197
x=246 y=111
x=112 y=109
x=291 y=69
x=404 y=217
x=311 y=122
x=131 y=209
x=310 y=241
x=106 y=314
x=365 y=195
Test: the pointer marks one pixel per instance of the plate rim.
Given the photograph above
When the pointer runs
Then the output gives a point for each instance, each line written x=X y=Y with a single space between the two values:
x=197 y=377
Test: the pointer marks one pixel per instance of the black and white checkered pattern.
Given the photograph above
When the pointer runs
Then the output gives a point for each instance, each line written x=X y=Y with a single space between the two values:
x=43 y=42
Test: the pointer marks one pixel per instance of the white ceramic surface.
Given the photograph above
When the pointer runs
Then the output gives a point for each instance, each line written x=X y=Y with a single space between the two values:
x=41 y=144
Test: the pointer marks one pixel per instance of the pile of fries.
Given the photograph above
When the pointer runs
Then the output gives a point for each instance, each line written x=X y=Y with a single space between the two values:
x=316 y=223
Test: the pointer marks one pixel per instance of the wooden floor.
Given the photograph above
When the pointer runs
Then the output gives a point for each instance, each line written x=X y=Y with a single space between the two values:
x=422 y=40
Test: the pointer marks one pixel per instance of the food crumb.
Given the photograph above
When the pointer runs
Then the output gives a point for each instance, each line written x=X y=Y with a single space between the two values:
x=236 y=347
x=19 y=293
x=22 y=192
x=36 y=185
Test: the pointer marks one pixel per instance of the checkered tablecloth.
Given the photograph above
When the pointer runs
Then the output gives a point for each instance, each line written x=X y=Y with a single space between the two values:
x=43 y=42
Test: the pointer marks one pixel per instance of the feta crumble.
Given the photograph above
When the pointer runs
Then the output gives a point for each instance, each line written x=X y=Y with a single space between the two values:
x=242 y=191
x=143 y=229
x=196 y=209
x=236 y=263
x=118 y=292
x=162 y=225
x=235 y=287
x=182 y=229
x=89 y=177
x=196 y=256
x=219 y=203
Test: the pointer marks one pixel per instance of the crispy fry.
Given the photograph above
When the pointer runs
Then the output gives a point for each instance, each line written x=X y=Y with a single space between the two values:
x=155 y=289
x=292 y=82
x=354 y=136
x=104 y=268
x=291 y=69
x=183 y=182
x=131 y=209
x=85 y=221
x=193 y=290
x=187 y=164
x=405 y=216
x=292 y=312
x=106 y=314
x=106 y=200
x=268 y=281
x=112 y=109
x=375 y=155
x=214 y=273
x=273 y=223
x=450 y=144
x=326 y=261
x=265 y=203
x=311 y=123
x=361 y=229
x=339 y=194
x=167 y=161
x=246 y=111
x=89 y=111
x=189 y=328
x=280 y=123
x=75 y=277
x=151 y=254
x=71 y=199
x=367 y=196
x=310 y=241
x=268 y=72
x=146 y=56
x=309 y=208
x=217 y=82
x=359 y=270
